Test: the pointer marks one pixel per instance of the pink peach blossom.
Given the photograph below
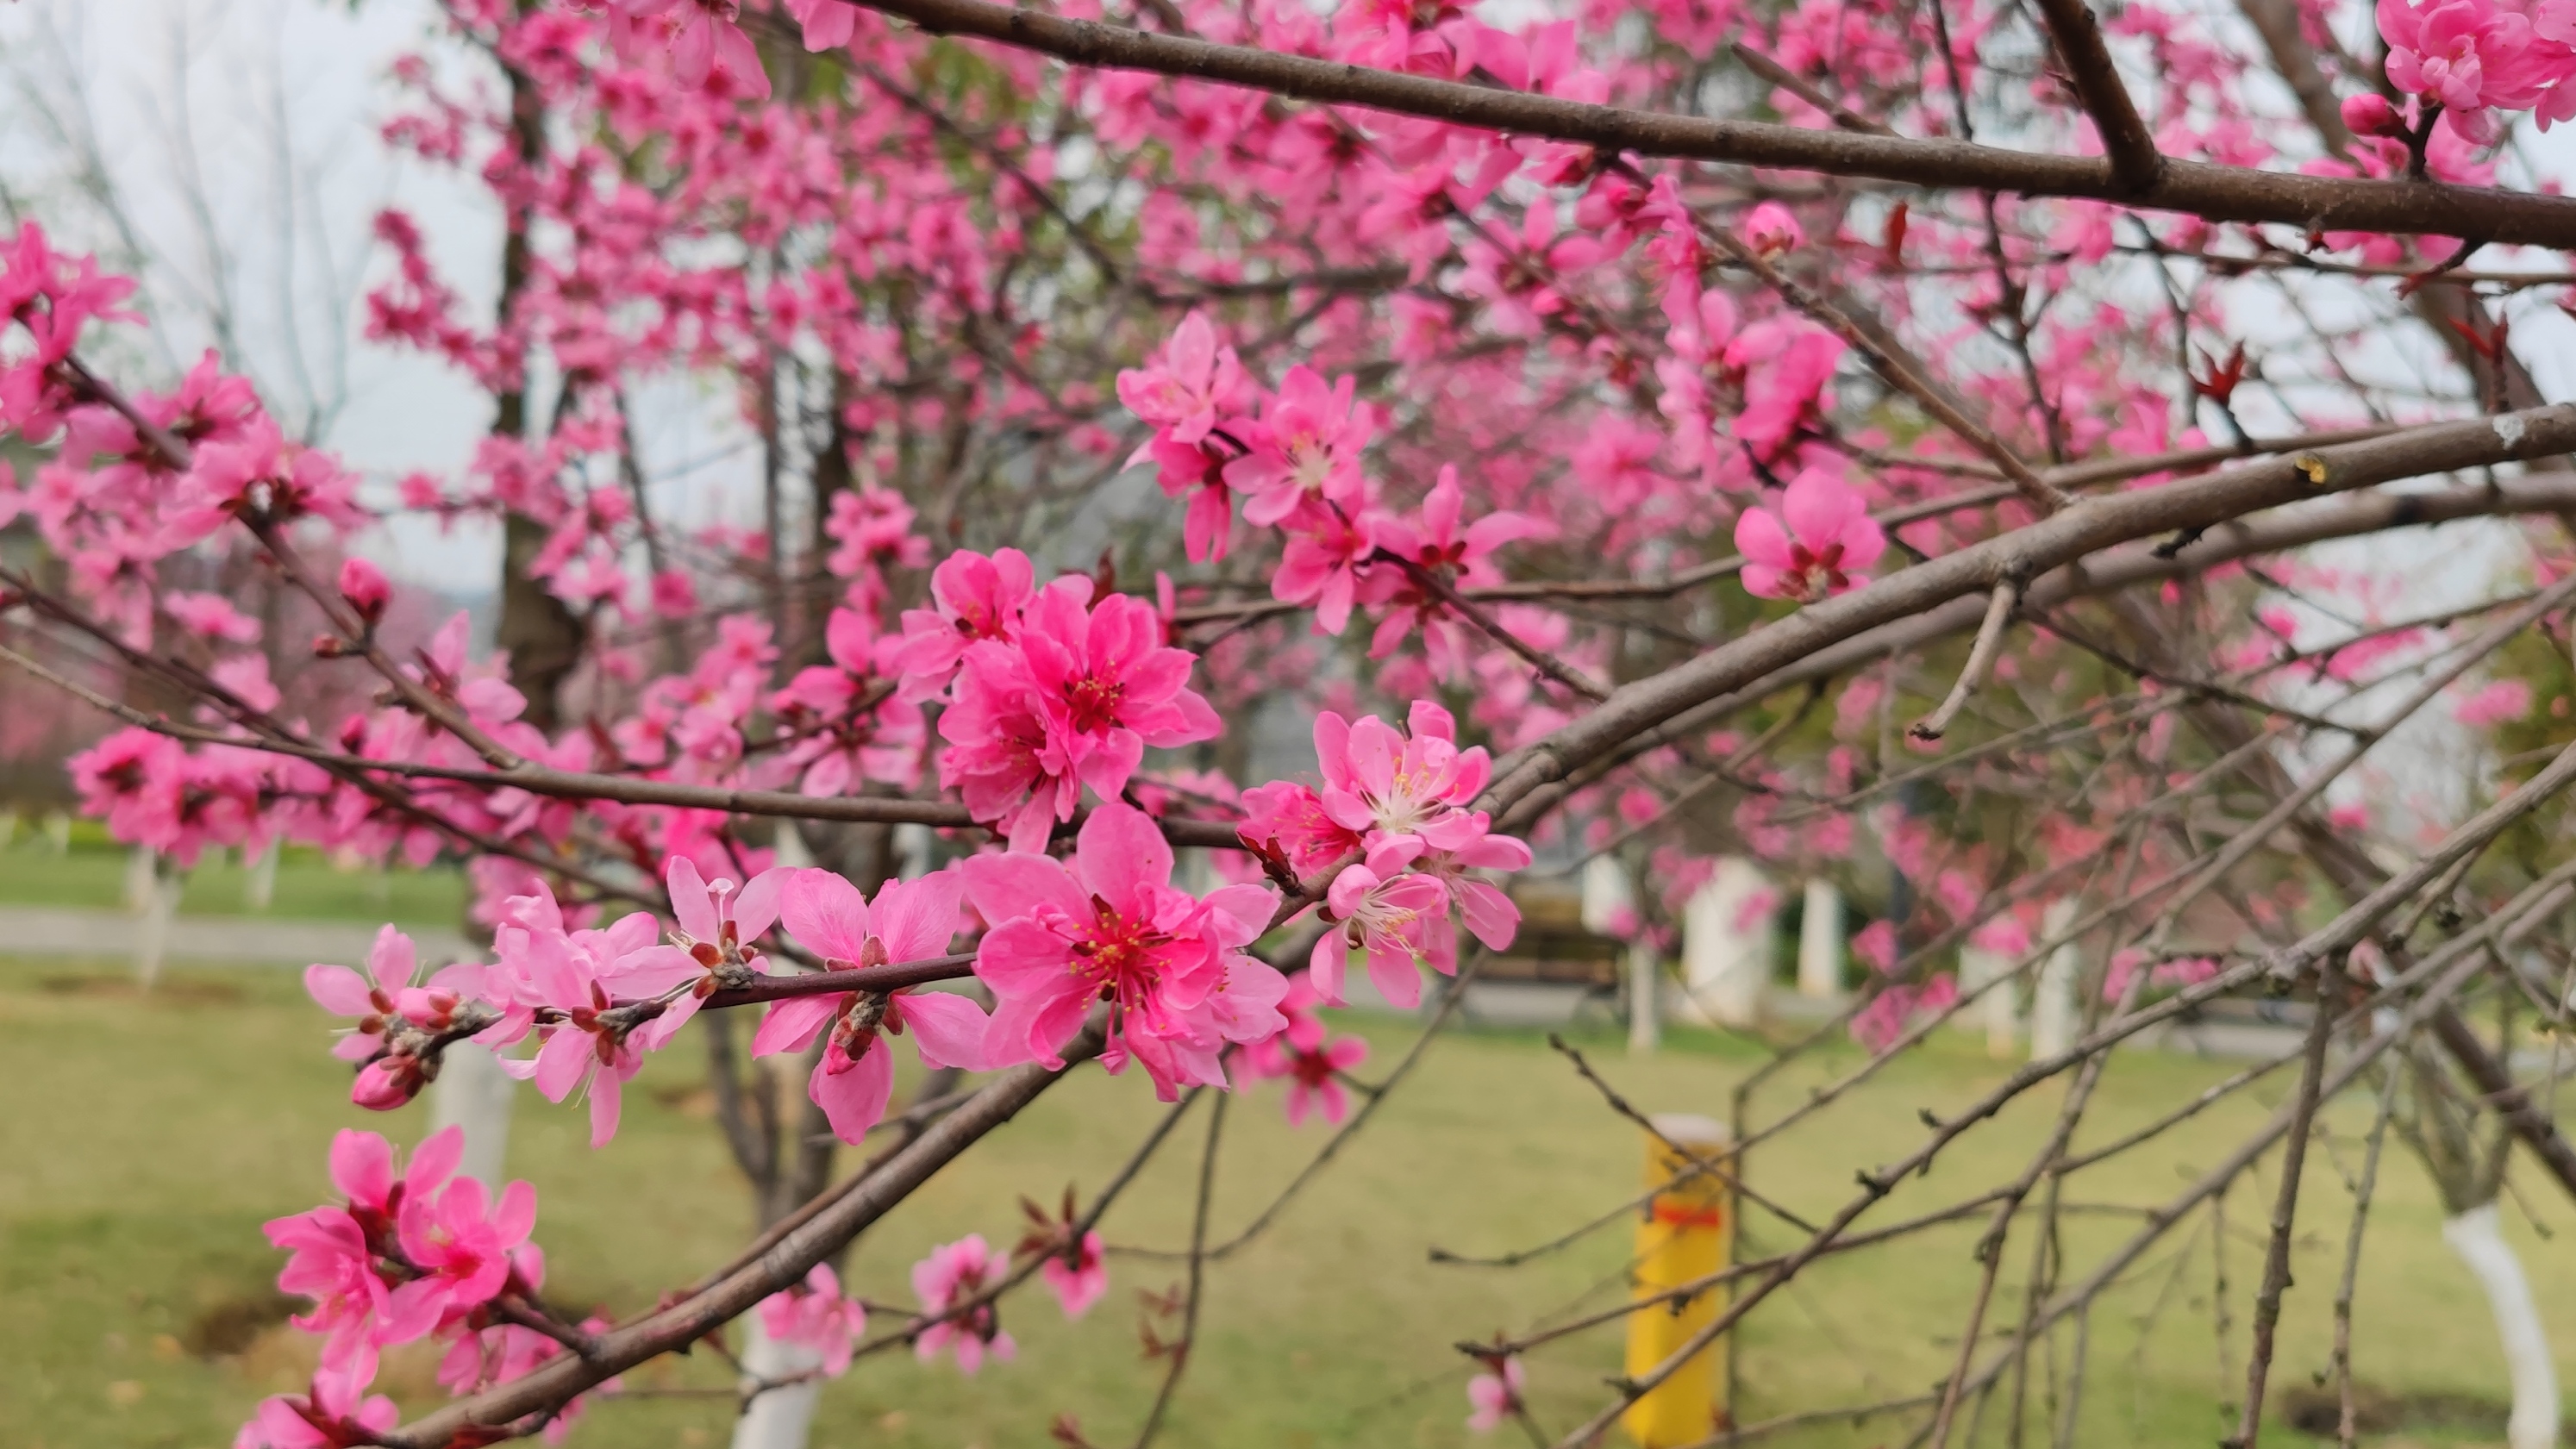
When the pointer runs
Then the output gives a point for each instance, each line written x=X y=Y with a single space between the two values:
x=463 y=1242
x=335 y=1252
x=383 y=999
x=707 y=41
x=1111 y=930
x=329 y=1415
x=910 y=921
x=973 y=598
x=1378 y=907
x=951 y=1277
x=2493 y=703
x=1187 y=385
x=1305 y=449
x=815 y=1317
x=364 y=586
x=2471 y=55
x=1494 y=1395
x=1771 y=230
x=1409 y=788
x=828 y=24
x=1817 y=544
x=1073 y=701
x=1079 y=1283
x=1323 y=562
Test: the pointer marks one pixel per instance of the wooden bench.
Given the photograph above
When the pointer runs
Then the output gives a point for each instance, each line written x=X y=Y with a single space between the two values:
x=1555 y=948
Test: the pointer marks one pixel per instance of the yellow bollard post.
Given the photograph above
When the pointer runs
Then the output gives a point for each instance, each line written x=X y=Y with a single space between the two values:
x=1682 y=1239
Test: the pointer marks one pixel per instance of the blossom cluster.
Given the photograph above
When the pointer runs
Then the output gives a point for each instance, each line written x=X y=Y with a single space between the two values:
x=1307 y=1056
x=1110 y=929
x=1047 y=690
x=1106 y=928
x=113 y=501
x=1392 y=813
x=430 y=1254
x=427 y=1253
x=1297 y=457
x=1816 y=546
x=2476 y=59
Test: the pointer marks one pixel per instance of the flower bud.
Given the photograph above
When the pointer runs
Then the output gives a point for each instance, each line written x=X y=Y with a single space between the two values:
x=364 y=586
x=1771 y=230
x=387 y=1082
x=2371 y=115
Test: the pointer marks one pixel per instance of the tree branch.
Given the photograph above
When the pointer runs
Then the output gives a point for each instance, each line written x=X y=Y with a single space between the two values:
x=2285 y=1205
x=786 y=1262
x=2201 y=502
x=1981 y=660
x=2134 y=159
x=2217 y=193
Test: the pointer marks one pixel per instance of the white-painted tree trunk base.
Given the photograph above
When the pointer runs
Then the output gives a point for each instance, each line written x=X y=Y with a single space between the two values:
x=1610 y=907
x=2477 y=1236
x=259 y=891
x=1998 y=1001
x=1607 y=893
x=1726 y=945
x=159 y=901
x=473 y=1093
x=779 y=1418
x=914 y=846
x=2052 y=998
x=142 y=867
x=791 y=851
x=1645 y=1000
x=1820 y=943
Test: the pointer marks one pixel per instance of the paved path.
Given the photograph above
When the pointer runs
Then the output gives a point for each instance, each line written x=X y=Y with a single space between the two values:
x=238 y=940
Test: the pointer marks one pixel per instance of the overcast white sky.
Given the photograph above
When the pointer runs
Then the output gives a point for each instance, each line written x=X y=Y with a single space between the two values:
x=197 y=110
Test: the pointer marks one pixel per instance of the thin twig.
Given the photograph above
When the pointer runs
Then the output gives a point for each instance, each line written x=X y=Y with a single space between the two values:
x=2285 y=1207
x=1981 y=660
x=1798 y=85
x=1697 y=1164
x=1450 y=1002
x=1187 y=1347
x=2347 y=1424
x=1539 y=659
x=1079 y=1229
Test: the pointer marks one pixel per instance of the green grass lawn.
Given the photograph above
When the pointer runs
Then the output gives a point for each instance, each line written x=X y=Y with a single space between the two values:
x=91 y=874
x=147 y=1140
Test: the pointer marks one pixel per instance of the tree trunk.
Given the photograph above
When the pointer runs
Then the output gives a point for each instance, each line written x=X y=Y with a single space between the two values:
x=542 y=635
x=2477 y=1236
x=779 y=1418
x=473 y=1094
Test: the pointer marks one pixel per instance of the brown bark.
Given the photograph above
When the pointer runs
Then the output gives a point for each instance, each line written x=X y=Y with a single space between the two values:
x=2132 y=149
x=541 y=635
x=2277 y=21
x=2217 y=193
x=2059 y=541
